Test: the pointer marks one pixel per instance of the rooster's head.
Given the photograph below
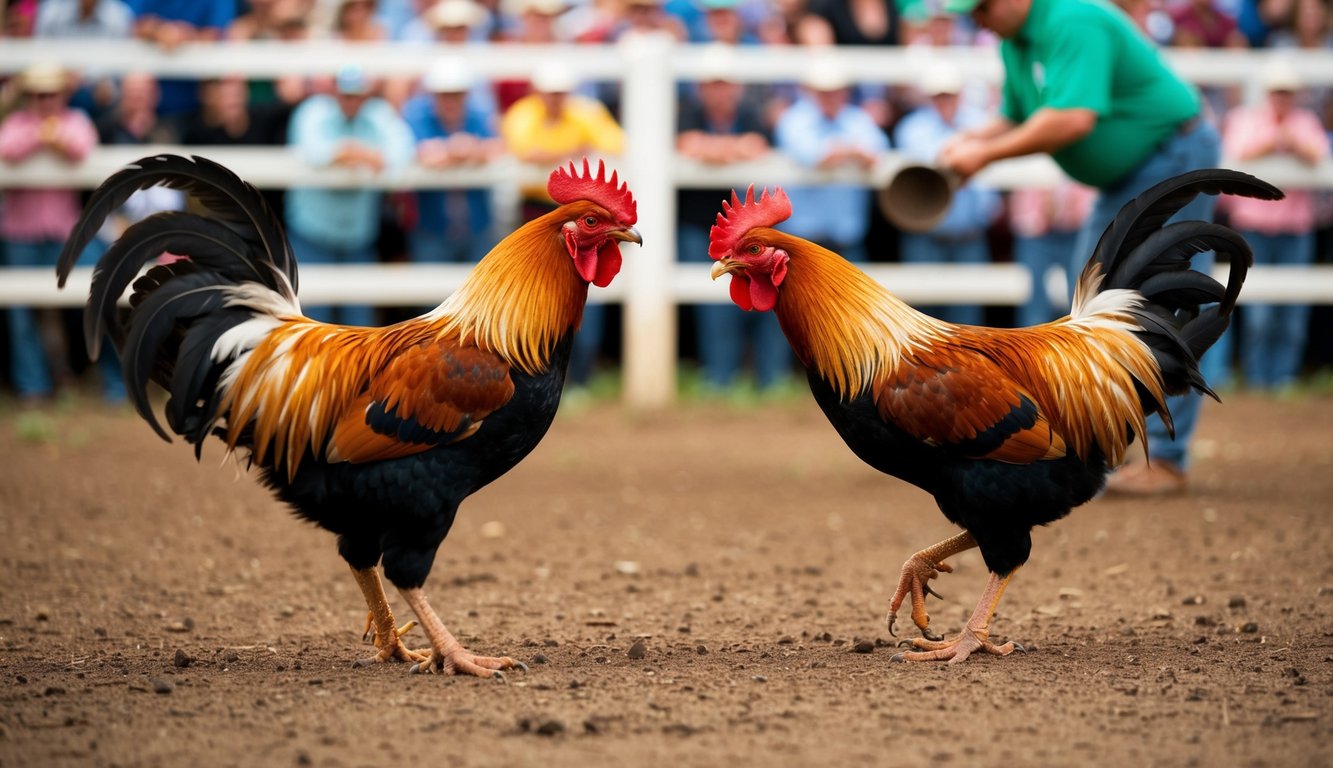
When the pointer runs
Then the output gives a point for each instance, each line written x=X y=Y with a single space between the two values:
x=599 y=215
x=740 y=242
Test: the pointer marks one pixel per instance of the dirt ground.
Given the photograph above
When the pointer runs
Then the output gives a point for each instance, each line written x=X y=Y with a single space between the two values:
x=156 y=611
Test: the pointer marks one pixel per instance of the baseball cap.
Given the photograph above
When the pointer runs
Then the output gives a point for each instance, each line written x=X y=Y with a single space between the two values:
x=352 y=80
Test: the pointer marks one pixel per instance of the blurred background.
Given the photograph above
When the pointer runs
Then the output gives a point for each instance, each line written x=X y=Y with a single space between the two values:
x=447 y=116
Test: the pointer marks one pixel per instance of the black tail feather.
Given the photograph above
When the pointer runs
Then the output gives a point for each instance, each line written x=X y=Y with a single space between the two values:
x=1141 y=252
x=224 y=195
x=178 y=311
x=208 y=243
x=154 y=321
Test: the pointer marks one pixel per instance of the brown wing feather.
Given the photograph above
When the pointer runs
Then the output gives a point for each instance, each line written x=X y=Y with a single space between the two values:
x=959 y=399
x=429 y=395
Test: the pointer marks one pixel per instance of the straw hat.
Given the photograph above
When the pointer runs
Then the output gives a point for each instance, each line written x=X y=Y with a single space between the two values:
x=43 y=77
x=447 y=75
x=455 y=13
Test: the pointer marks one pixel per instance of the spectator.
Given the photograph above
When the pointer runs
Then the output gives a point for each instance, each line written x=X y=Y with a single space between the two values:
x=354 y=22
x=456 y=22
x=269 y=20
x=547 y=128
x=352 y=129
x=1201 y=24
x=960 y=238
x=1045 y=222
x=456 y=224
x=134 y=119
x=536 y=25
x=722 y=122
x=850 y=22
x=227 y=117
x=646 y=16
x=460 y=22
x=172 y=23
x=1280 y=232
x=34 y=223
x=824 y=130
x=87 y=19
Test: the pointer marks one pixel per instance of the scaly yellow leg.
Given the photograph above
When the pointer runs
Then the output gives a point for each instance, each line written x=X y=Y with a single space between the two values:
x=975 y=635
x=447 y=654
x=387 y=634
x=920 y=569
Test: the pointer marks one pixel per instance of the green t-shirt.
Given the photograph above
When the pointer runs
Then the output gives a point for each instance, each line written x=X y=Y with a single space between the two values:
x=1088 y=54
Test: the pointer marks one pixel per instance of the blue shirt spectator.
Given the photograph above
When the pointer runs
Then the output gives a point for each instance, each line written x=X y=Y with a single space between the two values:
x=451 y=130
x=823 y=129
x=351 y=128
x=107 y=19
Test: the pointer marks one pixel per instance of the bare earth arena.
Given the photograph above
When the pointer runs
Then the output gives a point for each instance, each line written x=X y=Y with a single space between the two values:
x=701 y=586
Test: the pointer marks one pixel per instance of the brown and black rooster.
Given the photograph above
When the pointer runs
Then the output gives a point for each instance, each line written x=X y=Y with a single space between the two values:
x=375 y=434
x=1006 y=428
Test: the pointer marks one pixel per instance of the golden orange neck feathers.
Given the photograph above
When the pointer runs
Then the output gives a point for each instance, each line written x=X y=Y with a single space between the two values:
x=521 y=298
x=840 y=321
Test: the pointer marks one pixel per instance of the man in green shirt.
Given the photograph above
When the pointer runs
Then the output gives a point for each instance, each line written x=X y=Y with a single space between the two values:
x=1084 y=85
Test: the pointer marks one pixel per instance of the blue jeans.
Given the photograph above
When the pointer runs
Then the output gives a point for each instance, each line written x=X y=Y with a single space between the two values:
x=1272 y=343
x=926 y=249
x=1184 y=152
x=1040 y=255
x=29 y=370
x=723 y=331
x=310 y=252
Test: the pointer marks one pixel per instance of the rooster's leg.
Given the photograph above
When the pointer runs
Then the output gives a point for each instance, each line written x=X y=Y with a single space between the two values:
x=447 y=654
x=381 y=622
x=975 y=636
x=920 y=569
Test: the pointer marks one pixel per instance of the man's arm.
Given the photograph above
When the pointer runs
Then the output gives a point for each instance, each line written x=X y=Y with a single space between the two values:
x=1046 y=130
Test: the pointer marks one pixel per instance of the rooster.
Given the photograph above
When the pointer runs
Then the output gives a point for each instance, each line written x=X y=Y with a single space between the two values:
x=375 y=434
x=1006 y=428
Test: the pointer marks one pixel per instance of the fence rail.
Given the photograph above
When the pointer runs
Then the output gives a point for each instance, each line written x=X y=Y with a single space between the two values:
x=652 y=283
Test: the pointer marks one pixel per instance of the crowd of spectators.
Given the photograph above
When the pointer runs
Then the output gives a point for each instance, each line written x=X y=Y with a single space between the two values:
x=450 y=117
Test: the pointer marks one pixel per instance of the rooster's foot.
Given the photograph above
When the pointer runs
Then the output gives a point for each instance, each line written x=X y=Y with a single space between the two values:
x=463 y=662
x=394 y=651
x=916 y=575
x=957 y=650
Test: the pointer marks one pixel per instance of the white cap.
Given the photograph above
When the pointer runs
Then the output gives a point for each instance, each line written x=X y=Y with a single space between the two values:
x=941 y=77
x=553 y=78
x=826 y=75
x=447 y=75
x=454 y=13
x=544 y=7
x=1279 y=74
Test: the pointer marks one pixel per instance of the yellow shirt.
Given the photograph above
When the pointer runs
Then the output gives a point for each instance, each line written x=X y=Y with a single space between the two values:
x=584 y=125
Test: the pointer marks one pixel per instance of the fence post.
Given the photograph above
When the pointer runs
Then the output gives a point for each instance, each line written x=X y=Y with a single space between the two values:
x=648 y=110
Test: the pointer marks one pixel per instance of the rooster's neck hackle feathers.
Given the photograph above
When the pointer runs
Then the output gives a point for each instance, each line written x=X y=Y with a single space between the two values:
x=843 y=323
x=522 y=298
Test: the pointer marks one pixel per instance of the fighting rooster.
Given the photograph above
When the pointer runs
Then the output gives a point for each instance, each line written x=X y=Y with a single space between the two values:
x=1007 y=428
x=375 y=434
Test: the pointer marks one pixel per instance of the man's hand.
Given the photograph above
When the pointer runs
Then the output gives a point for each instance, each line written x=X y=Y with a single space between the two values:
x=965 y=156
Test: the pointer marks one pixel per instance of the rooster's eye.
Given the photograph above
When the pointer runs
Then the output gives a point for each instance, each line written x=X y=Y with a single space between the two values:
x=754 y=249
x=590 y=221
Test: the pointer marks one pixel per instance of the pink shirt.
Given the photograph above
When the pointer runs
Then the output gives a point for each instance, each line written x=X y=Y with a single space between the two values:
x=1036 y=211
x=1247 y=131
x=34 y=215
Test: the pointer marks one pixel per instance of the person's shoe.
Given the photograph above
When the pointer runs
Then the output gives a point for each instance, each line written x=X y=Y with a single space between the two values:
x=1160 y=478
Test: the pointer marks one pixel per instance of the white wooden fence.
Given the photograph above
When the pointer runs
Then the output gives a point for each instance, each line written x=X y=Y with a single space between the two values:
x=652 y=283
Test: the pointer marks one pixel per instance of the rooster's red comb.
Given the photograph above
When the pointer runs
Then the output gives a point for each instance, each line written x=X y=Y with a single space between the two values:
x=739 y=217
x=567 y=185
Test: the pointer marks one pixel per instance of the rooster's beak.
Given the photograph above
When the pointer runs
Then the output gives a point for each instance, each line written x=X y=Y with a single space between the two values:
x=724 y=267
x=627 y=235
